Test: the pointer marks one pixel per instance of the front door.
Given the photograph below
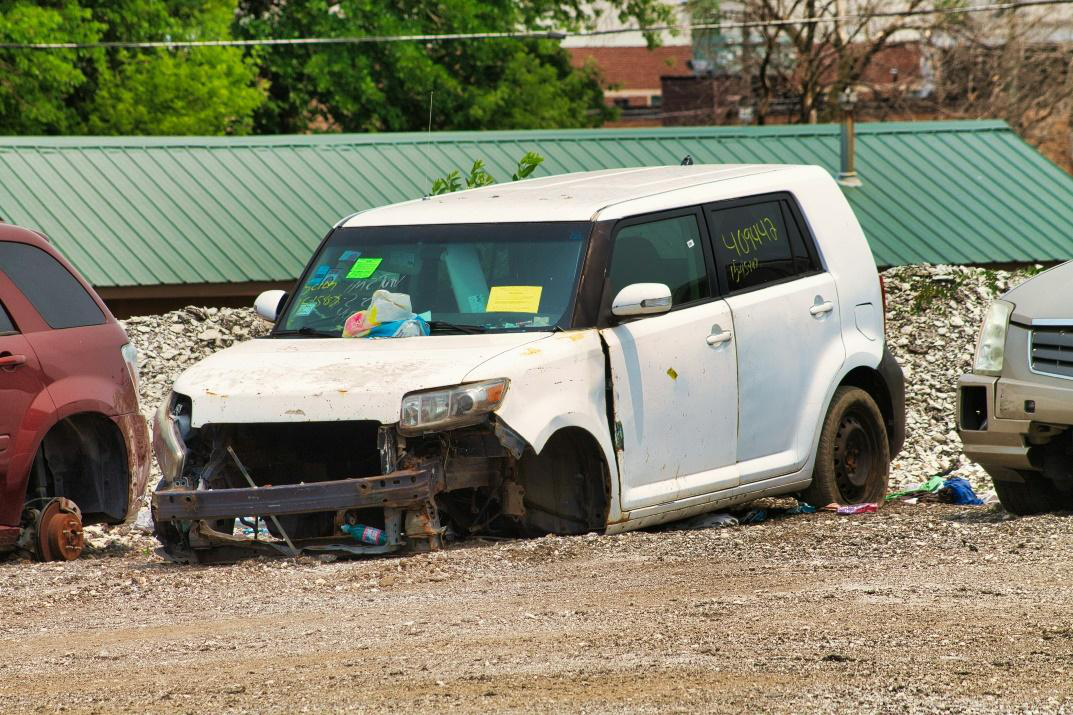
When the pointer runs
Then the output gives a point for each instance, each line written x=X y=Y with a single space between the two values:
x=787 y=328
x=674 y=376
x=20 y=385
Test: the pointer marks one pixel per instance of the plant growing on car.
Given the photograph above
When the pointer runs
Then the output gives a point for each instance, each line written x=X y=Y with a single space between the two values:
x=478 y=175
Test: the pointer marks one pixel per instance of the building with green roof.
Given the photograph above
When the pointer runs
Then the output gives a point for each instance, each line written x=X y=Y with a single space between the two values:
x=159 y=221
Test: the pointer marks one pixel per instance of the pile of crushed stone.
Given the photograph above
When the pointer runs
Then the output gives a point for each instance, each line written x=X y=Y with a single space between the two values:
x=933 y=319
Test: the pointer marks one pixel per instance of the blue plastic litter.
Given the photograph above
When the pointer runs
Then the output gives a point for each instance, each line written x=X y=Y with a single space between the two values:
x=753 y=516
x=398 y=328
x=957 y=490
x=801 y=508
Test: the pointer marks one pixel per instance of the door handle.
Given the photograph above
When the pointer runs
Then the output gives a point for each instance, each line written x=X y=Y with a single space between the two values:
x=821 y=308
x=9 y=361
x=718 y=338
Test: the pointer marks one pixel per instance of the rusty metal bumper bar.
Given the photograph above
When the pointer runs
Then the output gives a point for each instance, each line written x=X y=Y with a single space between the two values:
x=403 y=488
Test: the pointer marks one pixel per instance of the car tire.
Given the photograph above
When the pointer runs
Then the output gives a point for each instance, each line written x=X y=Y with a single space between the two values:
x=1035 y=495
x=853 y=456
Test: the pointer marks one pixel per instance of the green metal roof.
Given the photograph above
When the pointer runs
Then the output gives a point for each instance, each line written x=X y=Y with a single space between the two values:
x=132 y=211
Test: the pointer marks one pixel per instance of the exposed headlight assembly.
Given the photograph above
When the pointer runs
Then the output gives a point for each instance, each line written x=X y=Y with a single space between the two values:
x=991 y=347
x=450 y=407
x=170 y=425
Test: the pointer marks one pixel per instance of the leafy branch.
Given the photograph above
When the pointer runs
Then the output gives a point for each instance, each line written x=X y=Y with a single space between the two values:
x=478 y=175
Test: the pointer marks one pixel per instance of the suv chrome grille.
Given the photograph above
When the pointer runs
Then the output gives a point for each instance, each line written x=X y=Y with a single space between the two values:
x=1051 y=351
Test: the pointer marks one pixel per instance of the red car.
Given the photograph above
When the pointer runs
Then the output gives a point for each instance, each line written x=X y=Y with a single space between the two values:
x=74 y=447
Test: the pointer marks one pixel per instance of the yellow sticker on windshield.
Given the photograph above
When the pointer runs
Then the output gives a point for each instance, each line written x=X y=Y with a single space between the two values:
x=364 y=268
x=514 y=299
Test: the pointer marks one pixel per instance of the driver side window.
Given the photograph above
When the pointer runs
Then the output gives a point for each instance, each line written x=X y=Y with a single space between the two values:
x=667 y=251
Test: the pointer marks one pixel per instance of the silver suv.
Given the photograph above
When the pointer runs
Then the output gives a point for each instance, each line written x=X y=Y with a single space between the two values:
x=1015 y=408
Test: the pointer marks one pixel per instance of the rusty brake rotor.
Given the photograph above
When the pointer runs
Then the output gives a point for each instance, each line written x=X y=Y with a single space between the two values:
x=59 y=531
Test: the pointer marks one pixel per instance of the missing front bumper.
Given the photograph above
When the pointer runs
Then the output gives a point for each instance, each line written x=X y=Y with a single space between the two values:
x=406 y=496
x=408 y=487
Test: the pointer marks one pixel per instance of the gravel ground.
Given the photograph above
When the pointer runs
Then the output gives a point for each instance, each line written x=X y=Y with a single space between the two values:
x=923 y=608
x=926 y=608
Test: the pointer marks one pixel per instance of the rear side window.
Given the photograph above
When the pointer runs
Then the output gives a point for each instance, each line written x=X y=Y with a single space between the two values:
x=55 y=294
x=667 y=251
x=6 y=325
x=757 y=244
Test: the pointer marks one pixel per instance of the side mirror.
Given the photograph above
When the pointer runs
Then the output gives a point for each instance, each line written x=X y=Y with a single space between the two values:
x=268 y=304
x=642 y=299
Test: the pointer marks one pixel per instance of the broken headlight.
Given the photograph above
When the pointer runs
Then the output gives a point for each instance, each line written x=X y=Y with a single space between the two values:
x=451 y=407
x=991 y=347
x=170 y=427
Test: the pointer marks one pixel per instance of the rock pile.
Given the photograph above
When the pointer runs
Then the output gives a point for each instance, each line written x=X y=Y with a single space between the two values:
x=933 y=315
x=933 y=318
x=168 y=344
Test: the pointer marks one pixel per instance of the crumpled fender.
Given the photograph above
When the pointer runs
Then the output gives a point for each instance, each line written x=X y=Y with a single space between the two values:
x=556 y=383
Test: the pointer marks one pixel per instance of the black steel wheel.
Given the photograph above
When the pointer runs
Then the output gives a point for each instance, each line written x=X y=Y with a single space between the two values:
x=853 y=457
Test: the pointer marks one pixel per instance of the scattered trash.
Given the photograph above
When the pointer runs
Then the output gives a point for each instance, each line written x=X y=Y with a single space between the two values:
x=245 y=526
x=365 y=534
x=929 y=487
x=707 y=521
x=958 y=491
x=144 y=521
x=801 y=508
x=866 y=508
x=753 y=516
x=991 y=497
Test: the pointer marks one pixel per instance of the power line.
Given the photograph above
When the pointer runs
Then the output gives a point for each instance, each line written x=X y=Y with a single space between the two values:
x=524 y=34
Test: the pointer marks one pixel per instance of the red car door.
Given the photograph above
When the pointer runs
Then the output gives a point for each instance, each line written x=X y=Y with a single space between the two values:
x=21 y=384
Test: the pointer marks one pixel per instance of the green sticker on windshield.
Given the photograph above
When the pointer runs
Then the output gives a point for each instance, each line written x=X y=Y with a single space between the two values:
x=364 y=268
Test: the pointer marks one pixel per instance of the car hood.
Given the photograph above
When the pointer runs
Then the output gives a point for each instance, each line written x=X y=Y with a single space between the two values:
x=322 y=380
x=1045 y=297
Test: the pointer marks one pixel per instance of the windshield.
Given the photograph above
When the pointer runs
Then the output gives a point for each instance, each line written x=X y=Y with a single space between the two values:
x=469 y=277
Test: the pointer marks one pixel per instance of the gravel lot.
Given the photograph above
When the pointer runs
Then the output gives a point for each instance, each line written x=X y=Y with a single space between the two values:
x=923 y=608
x=926 y=608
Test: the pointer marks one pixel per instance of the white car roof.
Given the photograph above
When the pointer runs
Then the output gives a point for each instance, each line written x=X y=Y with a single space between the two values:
x=570 y=197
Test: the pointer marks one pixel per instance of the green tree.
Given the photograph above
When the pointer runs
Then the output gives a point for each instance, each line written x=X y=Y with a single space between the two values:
x=202 y=90
x=38 y=89
x=476 y=84
x=119 y=91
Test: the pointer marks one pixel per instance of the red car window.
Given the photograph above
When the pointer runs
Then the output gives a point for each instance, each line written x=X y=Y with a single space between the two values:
x=56 y=295
x=6 y=325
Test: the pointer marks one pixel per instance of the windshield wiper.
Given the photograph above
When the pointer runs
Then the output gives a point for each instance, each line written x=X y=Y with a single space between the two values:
x=305 y=332
x=464 y=329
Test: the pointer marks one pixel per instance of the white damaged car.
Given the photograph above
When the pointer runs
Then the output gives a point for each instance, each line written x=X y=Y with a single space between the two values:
x=605 y=351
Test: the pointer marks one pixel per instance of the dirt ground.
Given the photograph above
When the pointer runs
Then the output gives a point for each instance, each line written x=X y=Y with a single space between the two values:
x=919 y=608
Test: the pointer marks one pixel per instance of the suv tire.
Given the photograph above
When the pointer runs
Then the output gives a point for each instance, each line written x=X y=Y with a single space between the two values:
x=1035 y=495
x=853 y=457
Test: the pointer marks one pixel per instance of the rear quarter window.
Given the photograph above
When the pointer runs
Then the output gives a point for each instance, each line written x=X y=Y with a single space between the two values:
x=56 y=295
x=757 y=244
x=6 y=325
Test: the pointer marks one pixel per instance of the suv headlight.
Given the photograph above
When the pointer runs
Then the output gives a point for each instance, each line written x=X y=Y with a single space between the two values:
x=170 y=426
x=991 y=347
x=451 y=407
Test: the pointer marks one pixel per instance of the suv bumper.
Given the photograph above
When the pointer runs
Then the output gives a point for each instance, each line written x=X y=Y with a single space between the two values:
x=997 y=444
